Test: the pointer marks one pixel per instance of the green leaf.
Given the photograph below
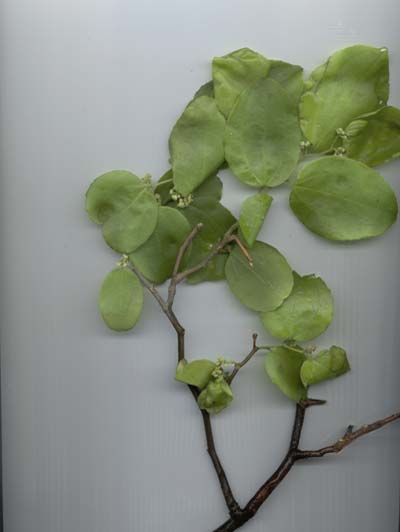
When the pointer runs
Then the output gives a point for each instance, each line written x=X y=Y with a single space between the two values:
x=325 y=365
x=130 y=227
x=354 y=81
x=156 y=257
x=216 y=220
x=211 y=188
x=376 y=140
x=252 y=215
x=164 y=185
x=215 y=397
x=110 y=193
x=305 y=314
x=263 y=286
x=342 y=199
x=235 y=72
x=283 y=366
x=196 y=144
x=126 y=207
x=121 y=300
x=289 y=76
x=242 y=68
x=205 y=90
x=196 y=373
x=262 y=141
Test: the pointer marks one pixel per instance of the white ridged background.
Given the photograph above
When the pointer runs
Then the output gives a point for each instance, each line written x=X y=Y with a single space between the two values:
x=98 y=437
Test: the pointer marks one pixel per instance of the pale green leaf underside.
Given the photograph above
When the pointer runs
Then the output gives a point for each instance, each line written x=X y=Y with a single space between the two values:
x=216 y=396
x=121 y=300
x=111 y=192
x=196 y=373
x=235 y=72
x=342 y=199
x=305 y=314
x=283 y=367
x=263 y=286
x=127 y=209
x=262 y=141
x=378 y=141
x=353 y=81
x=196 y=144
x=252 y=215
x=239 y=70
x=327 y=364
x=156 y=257
x=129 y=228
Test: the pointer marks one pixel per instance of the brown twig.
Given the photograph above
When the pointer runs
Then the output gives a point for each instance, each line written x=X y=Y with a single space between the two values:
x=293 y=455
x=232 y=504
x=178 y=277
x=349 y=436
x=236 y=239
x=166 y=307
x=180 y=331
x=239 y=516
x=255 y=348
x=189 y=239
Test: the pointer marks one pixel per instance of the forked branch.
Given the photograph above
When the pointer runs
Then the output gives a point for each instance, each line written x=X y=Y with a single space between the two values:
x=239 y=516
x=293 y=455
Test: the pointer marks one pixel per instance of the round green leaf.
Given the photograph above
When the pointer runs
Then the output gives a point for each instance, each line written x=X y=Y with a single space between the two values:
x=342 y=199
x=377 y=140
x=235 y=72
x=305 y=314
x=156 y=257
x=262 y=140
x=121 y=299
x=196 y=144
x=252 y=215
x=110 y=193
x=283 y=366
x=196 y=373
x=215 y=397
x=130 y=227
x=325 y=365
x=289 y=76
x=263 y=286
x=352 y=82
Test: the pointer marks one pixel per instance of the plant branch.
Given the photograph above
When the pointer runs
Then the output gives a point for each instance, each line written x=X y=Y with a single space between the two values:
x=180 y=331
x=236 y=239
x=178 y=277
x=231 y=503
x=255 y=348
x=239 y=516
x=192 y=235
x=349 y=437
x=293 y=455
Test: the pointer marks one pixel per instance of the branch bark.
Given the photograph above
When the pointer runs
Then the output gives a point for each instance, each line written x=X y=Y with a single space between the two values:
x=178 y=277
x=293 y=455
x=166 y=307
x=239 y=516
